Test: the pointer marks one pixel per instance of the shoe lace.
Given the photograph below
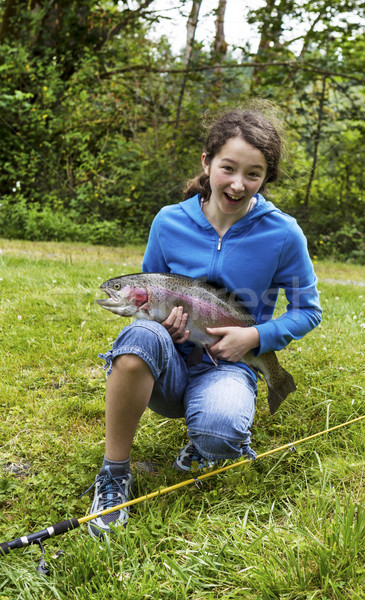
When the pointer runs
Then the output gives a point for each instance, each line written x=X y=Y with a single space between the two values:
x=195 y=456
x=110 y=486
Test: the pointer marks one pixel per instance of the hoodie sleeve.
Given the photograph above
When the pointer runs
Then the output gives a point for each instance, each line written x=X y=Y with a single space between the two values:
x=295 y=274
x=153 y=260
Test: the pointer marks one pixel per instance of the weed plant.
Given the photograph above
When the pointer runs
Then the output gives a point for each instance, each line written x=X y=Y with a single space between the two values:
x=290 y=526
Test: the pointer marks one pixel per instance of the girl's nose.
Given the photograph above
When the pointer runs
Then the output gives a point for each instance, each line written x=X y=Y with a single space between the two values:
x=238 y=184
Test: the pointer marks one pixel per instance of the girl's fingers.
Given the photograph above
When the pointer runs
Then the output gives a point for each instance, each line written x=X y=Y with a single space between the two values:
x=176 y=323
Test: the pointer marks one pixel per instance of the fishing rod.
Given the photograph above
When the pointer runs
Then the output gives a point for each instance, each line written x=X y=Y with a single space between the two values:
x=64 y=526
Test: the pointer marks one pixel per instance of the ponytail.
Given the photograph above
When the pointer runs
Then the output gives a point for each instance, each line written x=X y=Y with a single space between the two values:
x=198 y=185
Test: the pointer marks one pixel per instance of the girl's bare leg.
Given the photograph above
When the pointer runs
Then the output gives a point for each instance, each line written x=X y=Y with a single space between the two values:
x=128 y=391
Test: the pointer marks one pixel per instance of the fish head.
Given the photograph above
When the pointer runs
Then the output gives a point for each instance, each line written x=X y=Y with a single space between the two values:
x=126 y=295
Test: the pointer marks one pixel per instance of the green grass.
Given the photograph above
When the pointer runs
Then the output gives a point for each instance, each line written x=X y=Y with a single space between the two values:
x=290 y=526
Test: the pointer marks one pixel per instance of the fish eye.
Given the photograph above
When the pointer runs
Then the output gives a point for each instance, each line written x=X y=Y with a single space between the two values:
x=116 y=286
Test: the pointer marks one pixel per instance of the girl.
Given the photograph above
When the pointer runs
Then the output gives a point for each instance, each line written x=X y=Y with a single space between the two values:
x=227 y=233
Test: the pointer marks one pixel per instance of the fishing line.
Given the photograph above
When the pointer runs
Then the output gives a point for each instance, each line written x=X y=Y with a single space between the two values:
x=58 y=528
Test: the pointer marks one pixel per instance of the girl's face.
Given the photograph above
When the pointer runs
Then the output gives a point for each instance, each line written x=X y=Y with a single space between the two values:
x=236 y=173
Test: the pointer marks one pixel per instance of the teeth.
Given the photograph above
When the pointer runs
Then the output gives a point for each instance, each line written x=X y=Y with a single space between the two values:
x=234 y=197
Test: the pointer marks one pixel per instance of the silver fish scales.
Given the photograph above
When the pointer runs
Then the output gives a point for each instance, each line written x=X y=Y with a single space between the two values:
x=153 y=296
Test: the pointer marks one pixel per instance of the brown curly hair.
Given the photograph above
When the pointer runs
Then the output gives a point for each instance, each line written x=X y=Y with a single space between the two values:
x=253 y=126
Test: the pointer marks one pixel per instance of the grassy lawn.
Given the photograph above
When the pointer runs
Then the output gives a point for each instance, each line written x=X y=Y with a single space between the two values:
x=290 y=526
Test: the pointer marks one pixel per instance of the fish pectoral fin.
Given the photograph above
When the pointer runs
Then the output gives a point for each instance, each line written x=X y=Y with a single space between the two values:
x=214 y=360
x=143 y=313
x=195 y=356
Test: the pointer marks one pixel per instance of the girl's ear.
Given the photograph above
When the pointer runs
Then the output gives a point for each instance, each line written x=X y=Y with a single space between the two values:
x=205 y=164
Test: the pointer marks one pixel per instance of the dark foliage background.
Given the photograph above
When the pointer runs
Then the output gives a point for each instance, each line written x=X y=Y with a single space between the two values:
x=99 y=125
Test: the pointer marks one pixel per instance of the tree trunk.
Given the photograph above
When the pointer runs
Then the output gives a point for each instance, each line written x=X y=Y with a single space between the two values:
x=220 y=44
x=347 y=191
x=190 y=36
x=8 y=25
x=271 y=29
x=317 y=137
x=191 y=29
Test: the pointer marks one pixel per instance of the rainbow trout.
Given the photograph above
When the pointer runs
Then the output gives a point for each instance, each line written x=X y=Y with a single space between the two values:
x=153 y=296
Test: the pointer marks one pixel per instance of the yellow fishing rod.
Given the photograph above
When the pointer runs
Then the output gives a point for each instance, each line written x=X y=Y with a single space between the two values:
x=58 y=528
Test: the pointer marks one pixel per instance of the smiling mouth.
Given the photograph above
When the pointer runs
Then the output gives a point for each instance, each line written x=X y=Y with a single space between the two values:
x=231 y=198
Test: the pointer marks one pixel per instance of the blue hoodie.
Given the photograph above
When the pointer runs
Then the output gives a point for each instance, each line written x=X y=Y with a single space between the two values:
x=262 y=252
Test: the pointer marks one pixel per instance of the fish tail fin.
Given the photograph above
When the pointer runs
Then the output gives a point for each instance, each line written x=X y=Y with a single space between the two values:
x=278 y=393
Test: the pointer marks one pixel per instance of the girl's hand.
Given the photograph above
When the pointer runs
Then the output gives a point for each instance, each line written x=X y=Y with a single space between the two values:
x=175 y=325
x=234 y=343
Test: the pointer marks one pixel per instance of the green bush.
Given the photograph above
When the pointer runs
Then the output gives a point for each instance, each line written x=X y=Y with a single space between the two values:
x=42 y=223
x=347 y=242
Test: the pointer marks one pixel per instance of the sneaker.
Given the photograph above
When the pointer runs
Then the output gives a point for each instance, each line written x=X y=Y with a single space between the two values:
x=190 y=455
x=110 y=490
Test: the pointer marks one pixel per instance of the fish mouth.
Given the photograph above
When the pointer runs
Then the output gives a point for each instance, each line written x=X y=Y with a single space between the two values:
x=112 y=297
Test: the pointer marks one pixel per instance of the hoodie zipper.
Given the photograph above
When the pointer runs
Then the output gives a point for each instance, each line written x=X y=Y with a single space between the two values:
x=216 y=260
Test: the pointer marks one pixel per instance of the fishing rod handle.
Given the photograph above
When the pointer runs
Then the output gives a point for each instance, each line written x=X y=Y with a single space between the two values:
x=39 y=536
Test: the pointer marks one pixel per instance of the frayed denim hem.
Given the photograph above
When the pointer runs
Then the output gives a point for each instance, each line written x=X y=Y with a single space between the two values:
x=108 y=357
x=247 y=450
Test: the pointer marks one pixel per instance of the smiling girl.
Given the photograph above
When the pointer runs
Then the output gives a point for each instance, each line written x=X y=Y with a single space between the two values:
x=224 y=232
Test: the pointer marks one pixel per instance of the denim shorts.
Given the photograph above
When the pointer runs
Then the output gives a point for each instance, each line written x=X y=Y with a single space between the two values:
x=218 y=403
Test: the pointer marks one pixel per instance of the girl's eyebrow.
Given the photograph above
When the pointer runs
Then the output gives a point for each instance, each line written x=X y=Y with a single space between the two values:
x=234 y=162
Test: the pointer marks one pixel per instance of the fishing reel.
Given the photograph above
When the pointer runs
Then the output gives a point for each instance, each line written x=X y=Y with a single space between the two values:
x=37 y=538
x=42 y=567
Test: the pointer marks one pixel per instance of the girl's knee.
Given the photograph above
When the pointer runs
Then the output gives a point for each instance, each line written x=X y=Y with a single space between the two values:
x=144 y=340
x=128 y=362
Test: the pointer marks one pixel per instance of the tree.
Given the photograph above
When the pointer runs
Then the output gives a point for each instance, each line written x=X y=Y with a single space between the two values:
x=52 y=61
x=191 y=29
x=220 y=44
x=99 y=129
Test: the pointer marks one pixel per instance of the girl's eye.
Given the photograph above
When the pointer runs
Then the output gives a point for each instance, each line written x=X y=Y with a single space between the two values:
x=228 y=169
